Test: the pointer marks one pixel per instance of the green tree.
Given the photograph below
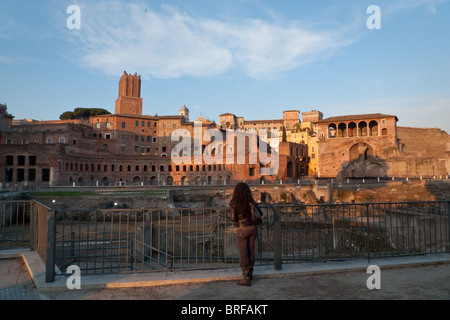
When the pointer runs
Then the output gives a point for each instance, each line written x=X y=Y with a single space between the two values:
x=82 y=113
x=284 y=138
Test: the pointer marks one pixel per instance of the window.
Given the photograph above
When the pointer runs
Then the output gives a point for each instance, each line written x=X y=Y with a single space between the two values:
x=137 y=123
x=32 y=160
x=107 y=136
x=45 y=175
x=21 y=160
x=49 y=141
x=31 y=174
x=108 y=125
x=97 y=125
x=9 y=160
x=9 y=141
x=123 y=125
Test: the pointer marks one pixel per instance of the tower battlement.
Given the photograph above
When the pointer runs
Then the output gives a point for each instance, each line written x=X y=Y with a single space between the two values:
x=129 y=101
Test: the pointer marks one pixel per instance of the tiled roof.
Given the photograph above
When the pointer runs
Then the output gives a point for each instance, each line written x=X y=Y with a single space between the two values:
x=358 y=117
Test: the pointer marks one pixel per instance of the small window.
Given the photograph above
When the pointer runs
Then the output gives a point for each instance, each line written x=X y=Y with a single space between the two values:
x=9 y=160
x=32 y=160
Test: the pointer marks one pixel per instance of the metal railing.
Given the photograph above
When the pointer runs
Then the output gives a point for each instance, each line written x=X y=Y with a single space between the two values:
x=15 y=224
x=155 y=240
x=370 y=230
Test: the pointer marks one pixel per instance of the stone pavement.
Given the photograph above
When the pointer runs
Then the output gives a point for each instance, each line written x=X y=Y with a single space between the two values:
x=22 y=277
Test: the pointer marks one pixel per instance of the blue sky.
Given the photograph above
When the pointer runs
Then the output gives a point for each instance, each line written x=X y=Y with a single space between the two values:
x=253 y=58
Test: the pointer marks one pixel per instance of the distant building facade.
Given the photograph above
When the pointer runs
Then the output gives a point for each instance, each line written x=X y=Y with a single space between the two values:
x=371 y=146
x=126 y=148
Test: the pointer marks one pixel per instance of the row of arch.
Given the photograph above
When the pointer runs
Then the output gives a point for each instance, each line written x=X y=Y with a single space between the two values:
x=76 y=167
x=296 y=169
x=353 y=129
x=154 y=180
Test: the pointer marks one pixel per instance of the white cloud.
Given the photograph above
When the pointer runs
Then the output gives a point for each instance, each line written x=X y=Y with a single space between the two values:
x=117 y=36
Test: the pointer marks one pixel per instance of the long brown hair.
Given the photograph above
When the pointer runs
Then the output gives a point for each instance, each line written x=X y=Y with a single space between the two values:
x=240 y=201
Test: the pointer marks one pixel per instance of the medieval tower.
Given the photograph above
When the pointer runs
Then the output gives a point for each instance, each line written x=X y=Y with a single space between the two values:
x=129 y=101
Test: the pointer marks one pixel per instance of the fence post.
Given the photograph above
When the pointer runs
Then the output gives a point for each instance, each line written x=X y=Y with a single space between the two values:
x=51 y=247
x=277 y=243
x=368 y=232
x=448 y=226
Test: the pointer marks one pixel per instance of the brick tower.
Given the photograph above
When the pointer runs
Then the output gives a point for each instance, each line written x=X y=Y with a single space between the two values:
x=129 y=100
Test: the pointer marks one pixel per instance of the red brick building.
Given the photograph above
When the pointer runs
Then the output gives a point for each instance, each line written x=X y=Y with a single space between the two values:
x=126 y=148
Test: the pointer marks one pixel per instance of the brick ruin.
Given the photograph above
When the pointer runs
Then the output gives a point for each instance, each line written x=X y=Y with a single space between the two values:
x=129 y=148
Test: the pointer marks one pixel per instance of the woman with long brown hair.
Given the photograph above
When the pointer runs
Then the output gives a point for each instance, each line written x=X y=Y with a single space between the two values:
x=241 y=209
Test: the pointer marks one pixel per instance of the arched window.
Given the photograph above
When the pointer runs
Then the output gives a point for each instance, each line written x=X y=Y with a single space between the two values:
x=332 y=131
x=352 y=129
x=373 y=128
x=362 y=128
x=342 y=130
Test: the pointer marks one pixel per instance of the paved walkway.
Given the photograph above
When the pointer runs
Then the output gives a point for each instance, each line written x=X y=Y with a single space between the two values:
x=425 y=277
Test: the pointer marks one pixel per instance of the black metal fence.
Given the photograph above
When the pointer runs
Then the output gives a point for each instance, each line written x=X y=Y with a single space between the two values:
x=149 y=240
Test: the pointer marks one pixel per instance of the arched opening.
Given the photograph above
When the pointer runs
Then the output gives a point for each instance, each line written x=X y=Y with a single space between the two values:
x=361 y=152
x=105 y=181
x=342 y=130
x=137 y=180
x=169 y=181
x=384 y=132
x=290 y=169
x=352 y=129
x=373 y=128
x=153 y=181
x=332 y=130
x=362 y=127
x=184 y=181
